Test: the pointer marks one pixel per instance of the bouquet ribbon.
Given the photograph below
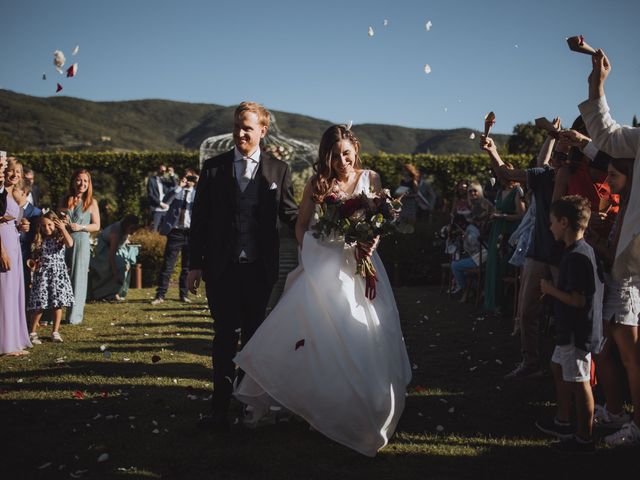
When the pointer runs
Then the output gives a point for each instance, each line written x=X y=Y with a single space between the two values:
x=365 y=268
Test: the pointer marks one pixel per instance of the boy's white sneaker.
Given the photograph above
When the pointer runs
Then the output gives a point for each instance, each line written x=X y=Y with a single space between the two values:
x=56 y=337
x=34 y=339
x=604 y=418
x=629 y=434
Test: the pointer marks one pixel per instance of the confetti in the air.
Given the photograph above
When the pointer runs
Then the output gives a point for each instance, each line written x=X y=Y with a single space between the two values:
x=299 y=343
x=446 y=109
x=428 y=25
x=103 y=457
x=58 y=88
x=72 y=70
x=516 y=45
x=350 y=124
x=58 y=60
x=427 y=68
x=75 y=50
x=472 y=136
x=385 y=22
x=440 y=428
x=44 y=76
x=370 y=31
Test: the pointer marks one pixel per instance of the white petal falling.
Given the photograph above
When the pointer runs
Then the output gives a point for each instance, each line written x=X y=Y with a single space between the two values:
x=370 y=31
x=427 y=68
x=472 y=136
x=385 y=22
x=75 y=50
x=59 y=60
x=428 y=25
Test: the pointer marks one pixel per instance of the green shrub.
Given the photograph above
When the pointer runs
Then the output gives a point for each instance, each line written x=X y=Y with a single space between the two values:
x=151 y=253
x=120 y=178
x=445 y=170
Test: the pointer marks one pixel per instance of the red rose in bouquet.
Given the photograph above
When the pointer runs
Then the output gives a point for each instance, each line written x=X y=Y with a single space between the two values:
x=350 y=206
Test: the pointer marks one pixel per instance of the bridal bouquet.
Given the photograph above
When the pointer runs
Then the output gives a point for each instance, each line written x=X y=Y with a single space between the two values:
x=357 y=220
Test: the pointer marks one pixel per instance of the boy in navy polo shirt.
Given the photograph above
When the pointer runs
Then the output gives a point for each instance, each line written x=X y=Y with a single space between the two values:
x=577 y=324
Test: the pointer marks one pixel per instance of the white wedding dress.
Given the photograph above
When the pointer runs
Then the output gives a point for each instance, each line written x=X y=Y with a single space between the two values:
x=327 y=353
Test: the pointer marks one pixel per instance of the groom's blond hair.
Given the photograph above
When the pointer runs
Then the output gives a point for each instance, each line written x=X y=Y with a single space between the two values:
x=264 y=117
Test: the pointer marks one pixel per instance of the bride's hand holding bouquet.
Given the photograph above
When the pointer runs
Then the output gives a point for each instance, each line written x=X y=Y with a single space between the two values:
x=360 y=220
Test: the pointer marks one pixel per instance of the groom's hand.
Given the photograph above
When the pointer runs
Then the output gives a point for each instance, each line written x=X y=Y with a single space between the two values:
x=193 y=280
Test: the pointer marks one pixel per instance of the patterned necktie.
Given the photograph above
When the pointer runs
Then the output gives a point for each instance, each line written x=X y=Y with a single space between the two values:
x=183 y=209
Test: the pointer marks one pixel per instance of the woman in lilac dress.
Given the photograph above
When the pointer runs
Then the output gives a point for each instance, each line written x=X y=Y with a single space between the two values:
x=14 y=336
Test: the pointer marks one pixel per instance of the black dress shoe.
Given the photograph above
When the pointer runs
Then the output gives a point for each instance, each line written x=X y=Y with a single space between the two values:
x=216 y=423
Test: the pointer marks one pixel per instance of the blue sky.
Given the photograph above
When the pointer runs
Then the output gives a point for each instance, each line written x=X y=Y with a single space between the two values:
x=315 y=58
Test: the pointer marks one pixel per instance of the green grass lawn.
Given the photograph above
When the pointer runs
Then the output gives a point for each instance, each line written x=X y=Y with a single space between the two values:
x=461 y=420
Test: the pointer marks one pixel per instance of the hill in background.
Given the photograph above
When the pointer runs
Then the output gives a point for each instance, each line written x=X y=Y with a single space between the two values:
x=66 y=123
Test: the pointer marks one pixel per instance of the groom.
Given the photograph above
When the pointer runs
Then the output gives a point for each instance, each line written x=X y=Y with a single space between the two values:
x=235 y=245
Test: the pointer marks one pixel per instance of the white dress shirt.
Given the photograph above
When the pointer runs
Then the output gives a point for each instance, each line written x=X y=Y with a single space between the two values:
x=252 y=165
x=191 y=193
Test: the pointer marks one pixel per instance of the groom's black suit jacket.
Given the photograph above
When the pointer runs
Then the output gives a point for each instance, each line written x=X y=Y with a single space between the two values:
x=212 y=233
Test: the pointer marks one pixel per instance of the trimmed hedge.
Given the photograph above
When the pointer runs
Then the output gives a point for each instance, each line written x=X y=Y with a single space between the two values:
x=445 y=170
x=125 y=174
x=119 y=182
x=120 y=177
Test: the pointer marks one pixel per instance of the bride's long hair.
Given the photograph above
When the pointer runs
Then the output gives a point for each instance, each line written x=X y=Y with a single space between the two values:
x=324 y=178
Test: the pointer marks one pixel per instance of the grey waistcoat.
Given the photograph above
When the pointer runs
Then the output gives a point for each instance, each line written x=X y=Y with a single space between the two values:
x=246 y=221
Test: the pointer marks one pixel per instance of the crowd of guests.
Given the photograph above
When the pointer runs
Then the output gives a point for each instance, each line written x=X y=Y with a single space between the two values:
x=46 y=260
x=567 y=227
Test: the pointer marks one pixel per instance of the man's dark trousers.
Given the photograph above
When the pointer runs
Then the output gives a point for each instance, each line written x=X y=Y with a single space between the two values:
x=177 y=242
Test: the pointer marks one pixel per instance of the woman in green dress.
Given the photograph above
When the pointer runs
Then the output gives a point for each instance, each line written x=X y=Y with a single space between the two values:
x=112 y=261
x=509 y=210
x=80 y=210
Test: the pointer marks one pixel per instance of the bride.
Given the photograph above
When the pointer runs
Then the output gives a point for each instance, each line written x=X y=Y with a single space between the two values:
x=326 y=352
